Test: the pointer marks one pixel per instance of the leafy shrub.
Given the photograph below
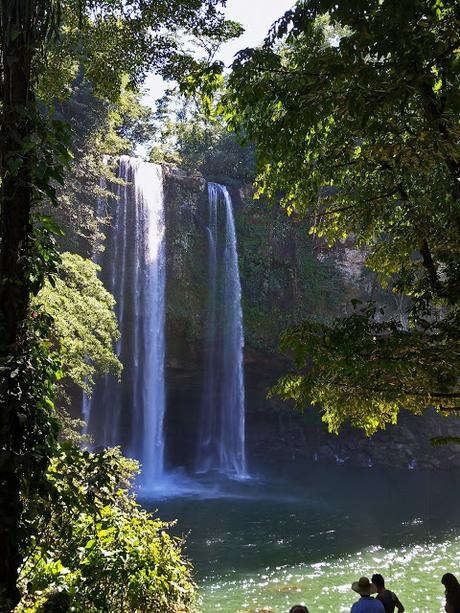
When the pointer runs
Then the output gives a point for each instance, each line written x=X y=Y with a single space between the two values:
x=84 y=325
x=96 y=549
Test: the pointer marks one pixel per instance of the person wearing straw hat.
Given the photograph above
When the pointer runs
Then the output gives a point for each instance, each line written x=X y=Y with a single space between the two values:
x=366 y=604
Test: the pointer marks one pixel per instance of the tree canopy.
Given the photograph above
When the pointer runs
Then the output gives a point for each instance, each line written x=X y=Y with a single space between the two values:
x=185 y=135
x=84 y=326
x=354 y=110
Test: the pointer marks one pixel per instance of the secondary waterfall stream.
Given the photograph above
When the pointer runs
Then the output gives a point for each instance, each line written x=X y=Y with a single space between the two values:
x=221 y=439
x=131 y=413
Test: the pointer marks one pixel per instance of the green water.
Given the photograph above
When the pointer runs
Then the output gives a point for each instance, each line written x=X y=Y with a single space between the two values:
x=301 y=533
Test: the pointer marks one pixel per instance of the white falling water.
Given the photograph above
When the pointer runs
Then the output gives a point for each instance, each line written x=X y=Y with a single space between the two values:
x=221 y=438
x=131 y=413
x=148 y=180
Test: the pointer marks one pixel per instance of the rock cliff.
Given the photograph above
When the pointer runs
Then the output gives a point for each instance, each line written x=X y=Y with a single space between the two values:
x=286 y=275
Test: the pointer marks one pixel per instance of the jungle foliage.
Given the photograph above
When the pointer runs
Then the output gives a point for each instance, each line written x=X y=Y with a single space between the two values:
x=45 y=45
x=83 y=326
x=354 y=109
x=99 y=129
x=95 y=549
x=188 y=136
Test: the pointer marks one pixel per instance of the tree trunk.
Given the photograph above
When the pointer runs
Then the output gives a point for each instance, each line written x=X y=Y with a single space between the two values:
x=15 y=207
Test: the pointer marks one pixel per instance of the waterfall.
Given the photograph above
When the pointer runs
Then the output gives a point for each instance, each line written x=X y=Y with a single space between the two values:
x=130 y=413
x=149 y=190
x=221 y=432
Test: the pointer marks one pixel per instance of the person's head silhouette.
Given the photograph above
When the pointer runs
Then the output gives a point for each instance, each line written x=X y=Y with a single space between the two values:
x=450 y=582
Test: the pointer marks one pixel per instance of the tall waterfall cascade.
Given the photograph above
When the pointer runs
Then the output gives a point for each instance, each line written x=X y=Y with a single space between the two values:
x=131 y=412
x=221 y=434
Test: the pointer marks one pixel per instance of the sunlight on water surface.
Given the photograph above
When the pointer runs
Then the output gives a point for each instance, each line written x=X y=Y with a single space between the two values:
x=301 y=533
x=412 y=571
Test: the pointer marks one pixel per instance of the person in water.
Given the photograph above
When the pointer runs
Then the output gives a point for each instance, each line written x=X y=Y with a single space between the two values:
x=452 y=586
x=366 y=604
x=298 y=608
x=389 y=599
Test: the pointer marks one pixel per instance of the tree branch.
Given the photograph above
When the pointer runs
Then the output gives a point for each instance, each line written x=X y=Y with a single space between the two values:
x=379 y=390
x=430 y=266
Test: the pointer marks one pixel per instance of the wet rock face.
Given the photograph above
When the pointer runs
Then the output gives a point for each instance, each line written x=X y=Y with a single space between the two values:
x=286 y=276
x=407 y=446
